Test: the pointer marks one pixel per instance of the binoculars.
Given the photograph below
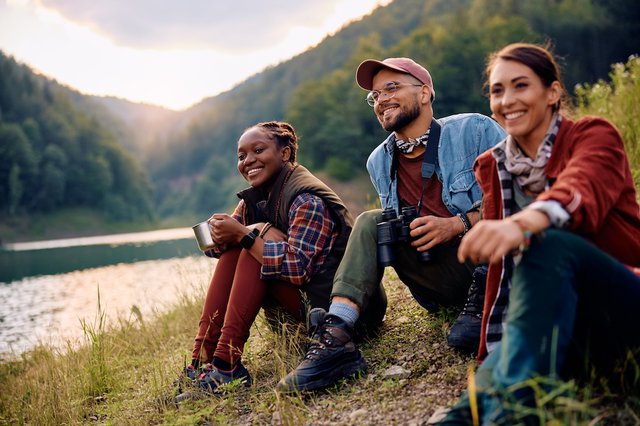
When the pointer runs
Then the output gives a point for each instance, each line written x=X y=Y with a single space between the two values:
x=393 y=229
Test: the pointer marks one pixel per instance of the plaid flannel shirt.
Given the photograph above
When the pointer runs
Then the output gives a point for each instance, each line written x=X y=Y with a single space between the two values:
x=309 y=240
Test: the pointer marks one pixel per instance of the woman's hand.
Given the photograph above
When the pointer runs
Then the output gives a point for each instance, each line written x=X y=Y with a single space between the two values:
x=226 y=230
x=490 y=240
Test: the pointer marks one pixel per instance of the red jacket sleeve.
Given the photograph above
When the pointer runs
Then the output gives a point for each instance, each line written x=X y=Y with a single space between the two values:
x=589 y=170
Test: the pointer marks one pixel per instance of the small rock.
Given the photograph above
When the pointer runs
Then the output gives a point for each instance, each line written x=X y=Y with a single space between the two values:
x=275 y=419
x=403 y=320
x=438 y=415
x=396 y=372
x=361 y=412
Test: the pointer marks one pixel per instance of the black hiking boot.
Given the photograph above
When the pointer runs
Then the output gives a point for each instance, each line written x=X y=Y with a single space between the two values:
x=315 y=319
x=465 y=331
x=331 y=356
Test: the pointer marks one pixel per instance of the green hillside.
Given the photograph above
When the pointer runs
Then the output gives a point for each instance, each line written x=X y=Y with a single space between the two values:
x=60 y=149
x=316 y=91
x=53 y=155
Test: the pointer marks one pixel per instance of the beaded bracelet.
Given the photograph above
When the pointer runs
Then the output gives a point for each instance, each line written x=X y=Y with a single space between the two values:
x=526 y=242
x=265 y=228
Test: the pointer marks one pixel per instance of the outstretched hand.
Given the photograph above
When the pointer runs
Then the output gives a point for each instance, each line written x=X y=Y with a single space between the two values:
x=490 y=240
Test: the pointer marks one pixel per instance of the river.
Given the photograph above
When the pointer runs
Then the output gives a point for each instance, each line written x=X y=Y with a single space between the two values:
x=48 y=288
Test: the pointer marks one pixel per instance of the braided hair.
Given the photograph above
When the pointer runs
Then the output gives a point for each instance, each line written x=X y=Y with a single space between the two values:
x=284 y=134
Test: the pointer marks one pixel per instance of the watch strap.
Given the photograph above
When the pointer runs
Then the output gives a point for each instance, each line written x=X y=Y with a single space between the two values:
x=247 y=241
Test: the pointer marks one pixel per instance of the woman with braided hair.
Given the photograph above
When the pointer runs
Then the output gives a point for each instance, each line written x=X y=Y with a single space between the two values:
x=278 y=250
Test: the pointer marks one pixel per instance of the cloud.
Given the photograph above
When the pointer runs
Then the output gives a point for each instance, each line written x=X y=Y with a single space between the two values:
x=165 y=54
x=224 y=25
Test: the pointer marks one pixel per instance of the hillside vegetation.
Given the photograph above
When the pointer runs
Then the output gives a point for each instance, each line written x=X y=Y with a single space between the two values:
x=52 y=155
x=124 y=376
x=138 y=163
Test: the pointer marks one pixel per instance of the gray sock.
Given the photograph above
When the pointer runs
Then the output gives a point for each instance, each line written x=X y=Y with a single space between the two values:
x=345 y=312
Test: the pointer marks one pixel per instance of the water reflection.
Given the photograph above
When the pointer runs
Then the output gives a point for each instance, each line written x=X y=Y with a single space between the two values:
x=49 y=308
x=113 y=239
x=59 y=256
x=48 y=287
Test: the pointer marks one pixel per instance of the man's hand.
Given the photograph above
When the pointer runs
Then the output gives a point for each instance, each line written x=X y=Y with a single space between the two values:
x=429 y=231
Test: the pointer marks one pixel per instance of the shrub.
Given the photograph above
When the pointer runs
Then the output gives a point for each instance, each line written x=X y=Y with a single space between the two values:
x=618 y=101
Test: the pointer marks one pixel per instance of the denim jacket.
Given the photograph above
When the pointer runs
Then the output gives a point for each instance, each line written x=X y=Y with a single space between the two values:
x=462 y=139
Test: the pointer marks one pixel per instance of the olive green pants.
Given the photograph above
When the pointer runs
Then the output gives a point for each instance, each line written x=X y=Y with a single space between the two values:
x=441 y=282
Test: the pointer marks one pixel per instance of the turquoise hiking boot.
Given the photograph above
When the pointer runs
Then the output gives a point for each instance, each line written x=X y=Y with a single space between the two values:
x=210 y=380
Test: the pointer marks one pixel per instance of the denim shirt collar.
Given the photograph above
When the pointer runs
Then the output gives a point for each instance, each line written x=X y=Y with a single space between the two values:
x=463 y=138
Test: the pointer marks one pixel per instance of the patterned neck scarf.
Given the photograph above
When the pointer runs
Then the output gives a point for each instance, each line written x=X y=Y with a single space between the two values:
x=498 y=312
x=406 y=147
x=528 y=172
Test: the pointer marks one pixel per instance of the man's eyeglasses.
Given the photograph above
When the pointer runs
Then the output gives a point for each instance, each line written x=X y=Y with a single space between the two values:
x=389 y=91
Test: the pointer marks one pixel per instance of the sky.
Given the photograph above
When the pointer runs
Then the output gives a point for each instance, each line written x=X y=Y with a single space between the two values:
x=167 y=53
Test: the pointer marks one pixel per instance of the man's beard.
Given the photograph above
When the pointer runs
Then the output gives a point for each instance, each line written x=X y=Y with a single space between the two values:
x=404 y=118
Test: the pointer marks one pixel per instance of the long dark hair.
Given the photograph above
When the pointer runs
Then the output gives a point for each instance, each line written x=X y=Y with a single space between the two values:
x=284 y=134
x=538 y=58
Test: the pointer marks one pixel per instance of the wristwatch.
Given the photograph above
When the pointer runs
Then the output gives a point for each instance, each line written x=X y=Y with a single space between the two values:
x=247 y=241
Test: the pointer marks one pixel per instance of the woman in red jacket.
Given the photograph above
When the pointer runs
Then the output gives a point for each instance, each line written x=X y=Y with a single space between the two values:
x=561 y=233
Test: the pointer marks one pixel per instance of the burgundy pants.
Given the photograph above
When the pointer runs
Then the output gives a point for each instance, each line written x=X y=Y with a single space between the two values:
x=236 y=294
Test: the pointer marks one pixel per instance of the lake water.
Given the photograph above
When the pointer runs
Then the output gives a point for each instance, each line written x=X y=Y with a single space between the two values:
x=47 y=288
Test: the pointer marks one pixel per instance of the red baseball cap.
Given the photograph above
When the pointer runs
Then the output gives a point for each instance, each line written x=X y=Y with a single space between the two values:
x=370 y=67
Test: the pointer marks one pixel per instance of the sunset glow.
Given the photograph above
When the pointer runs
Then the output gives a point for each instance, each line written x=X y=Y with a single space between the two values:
x=173 y=65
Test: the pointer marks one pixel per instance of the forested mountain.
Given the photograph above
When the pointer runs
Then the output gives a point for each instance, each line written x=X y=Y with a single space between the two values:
x=139 y=127
x=189 y=156
x=54 y=155
x=317 y=93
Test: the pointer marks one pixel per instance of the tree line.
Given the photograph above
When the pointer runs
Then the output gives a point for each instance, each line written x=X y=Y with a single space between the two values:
x=58 y=150
x=52 y=155
x=316 y=91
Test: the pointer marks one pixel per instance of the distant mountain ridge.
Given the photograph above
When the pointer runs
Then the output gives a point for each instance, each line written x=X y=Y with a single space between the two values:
x=187 y=157
x=54 y=155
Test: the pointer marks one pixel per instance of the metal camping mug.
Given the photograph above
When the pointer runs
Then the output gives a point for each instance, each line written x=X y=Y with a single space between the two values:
x=203 y=236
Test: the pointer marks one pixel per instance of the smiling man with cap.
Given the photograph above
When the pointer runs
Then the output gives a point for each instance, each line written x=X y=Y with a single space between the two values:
x=424 y=165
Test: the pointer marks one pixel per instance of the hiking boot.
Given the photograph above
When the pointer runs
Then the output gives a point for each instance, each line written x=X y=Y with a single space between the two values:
x=330 y=357
x=187 y=377
x=465 y=331
x=190 y=372
x=314 y=320
x=210 y=380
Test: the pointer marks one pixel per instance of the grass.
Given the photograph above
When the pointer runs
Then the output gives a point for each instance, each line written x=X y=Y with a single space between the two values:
x=123 y=376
